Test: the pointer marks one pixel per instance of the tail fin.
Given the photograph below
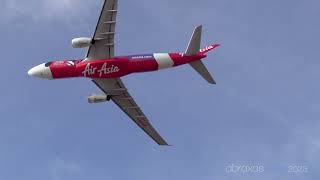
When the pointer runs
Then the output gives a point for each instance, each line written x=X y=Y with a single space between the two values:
x=207 y=49
x=194 y=48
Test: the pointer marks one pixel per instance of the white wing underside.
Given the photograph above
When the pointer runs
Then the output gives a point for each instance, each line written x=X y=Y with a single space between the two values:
x=103 y=48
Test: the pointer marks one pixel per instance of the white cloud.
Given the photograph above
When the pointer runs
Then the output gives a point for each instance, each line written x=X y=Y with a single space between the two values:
x=45 y=10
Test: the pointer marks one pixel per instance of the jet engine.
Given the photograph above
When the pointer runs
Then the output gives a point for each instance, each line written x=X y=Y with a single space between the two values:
x=81 y=42
x=98 y=98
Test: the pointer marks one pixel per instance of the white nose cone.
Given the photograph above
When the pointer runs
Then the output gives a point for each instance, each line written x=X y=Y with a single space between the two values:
x=40 y=71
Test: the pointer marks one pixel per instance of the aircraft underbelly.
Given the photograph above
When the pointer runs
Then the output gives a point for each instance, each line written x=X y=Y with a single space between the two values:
x=118 y=66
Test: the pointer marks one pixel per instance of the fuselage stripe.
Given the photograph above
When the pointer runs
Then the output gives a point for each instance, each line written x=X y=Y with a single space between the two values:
x=164 y=60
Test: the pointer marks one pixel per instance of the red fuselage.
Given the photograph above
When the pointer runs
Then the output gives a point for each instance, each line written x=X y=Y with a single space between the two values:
x=118 y=66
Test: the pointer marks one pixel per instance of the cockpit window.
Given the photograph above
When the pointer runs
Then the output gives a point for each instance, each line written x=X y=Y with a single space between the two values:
x=47 y=64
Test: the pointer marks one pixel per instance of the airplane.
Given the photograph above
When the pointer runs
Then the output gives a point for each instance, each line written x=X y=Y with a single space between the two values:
x=105 y=69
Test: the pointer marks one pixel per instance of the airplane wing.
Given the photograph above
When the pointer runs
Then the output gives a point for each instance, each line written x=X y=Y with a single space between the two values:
x=103 y=48
x=121 y=97
x=103 y=39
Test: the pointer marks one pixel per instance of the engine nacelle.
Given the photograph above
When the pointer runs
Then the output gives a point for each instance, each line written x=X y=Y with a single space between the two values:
x=98 y=98
x=81 y=42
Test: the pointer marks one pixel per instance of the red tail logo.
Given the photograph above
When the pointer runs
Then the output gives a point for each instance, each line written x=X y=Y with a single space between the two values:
x=208 y=48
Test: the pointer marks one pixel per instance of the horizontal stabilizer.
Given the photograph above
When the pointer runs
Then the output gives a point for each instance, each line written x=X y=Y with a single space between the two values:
x=195 y=42
x=194 y=49
x=203 y=71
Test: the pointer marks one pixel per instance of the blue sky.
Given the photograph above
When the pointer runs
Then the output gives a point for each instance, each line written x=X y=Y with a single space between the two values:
x=264 y=111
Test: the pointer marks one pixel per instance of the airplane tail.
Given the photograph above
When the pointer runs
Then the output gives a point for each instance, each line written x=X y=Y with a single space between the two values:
x=194 y=49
